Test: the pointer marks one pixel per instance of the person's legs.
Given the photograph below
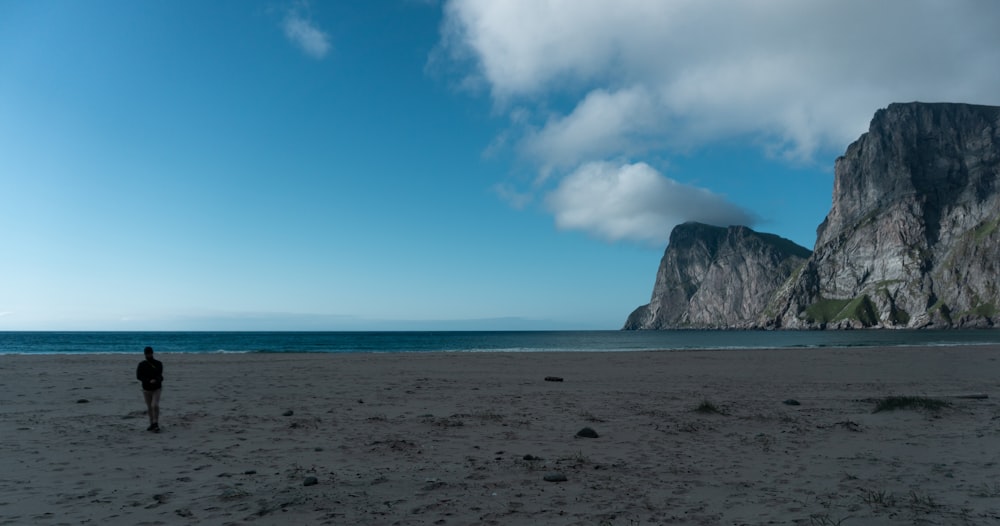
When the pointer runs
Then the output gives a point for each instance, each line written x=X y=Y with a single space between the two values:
x=152 y=407
x=148 y=396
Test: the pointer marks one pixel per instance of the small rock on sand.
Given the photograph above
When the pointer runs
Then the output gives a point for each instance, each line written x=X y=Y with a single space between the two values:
x=554 y=477
x=587 y=433
x=310 y=481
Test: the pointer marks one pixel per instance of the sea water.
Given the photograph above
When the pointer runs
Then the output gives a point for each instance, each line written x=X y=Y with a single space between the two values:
x=473 y=341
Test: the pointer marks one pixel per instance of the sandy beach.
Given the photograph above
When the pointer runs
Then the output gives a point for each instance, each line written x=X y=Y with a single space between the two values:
x=485 y=438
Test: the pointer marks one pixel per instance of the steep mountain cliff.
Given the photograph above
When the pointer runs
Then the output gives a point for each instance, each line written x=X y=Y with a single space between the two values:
x=912 y=240
x=713 y=277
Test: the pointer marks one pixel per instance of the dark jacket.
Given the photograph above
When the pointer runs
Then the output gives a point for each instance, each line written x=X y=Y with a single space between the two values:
x=147 y=371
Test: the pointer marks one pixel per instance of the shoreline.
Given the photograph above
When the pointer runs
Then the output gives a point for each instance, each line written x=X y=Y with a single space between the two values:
x=832 y=347
x=477 y=341
x=470 y=437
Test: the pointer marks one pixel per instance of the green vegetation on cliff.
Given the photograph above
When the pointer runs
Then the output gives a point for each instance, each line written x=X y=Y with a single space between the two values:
x=859 y=309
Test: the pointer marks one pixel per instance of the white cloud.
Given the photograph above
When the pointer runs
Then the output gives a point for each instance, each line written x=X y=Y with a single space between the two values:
x=603 y=124
x=304 y=34
x=635 y=202
x=596 y=80
x=805 y=74
x=513 y=197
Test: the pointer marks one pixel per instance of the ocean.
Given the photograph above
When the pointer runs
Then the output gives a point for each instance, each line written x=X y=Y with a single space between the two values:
x=472 y=341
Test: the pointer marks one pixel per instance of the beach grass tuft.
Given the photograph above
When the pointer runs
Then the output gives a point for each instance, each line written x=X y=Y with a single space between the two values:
x=893 y=403
x=988 y=491
x=708 y=408
x=878 y=498
x=924 y=501
x=824 y=519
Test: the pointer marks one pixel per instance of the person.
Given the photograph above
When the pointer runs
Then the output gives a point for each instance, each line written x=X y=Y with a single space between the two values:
x=150 y=373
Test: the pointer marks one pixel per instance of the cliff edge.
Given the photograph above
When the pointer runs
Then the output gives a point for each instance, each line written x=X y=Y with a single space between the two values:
x=714 y=277
x=912 y=240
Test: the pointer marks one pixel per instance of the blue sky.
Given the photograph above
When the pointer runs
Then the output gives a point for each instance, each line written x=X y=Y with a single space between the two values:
x=404 y=164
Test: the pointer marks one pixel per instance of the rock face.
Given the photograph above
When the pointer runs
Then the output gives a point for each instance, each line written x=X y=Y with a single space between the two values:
x=912 y=240
x=713 y=277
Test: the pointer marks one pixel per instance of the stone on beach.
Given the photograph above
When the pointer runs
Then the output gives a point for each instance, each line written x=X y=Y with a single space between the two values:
x=587 y=433
x=555 y=477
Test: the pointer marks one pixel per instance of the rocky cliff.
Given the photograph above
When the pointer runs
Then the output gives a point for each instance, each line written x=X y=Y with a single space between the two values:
x=713 y=277
x=912 y=239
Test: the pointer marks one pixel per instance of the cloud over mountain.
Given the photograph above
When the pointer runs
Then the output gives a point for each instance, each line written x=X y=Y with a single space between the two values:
x=634 y=201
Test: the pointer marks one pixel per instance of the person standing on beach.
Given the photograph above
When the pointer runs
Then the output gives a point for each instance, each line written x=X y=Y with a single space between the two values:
x=150 y=373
